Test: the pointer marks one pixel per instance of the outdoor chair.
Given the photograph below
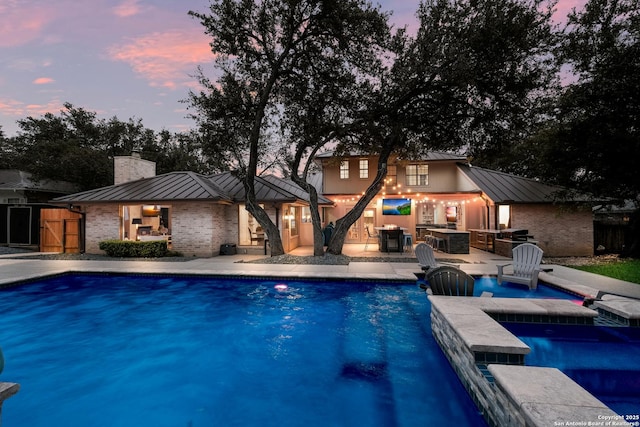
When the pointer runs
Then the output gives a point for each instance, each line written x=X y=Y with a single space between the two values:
x=370 y=236
x=426 y=258
x=449 y=281
x=526 y=266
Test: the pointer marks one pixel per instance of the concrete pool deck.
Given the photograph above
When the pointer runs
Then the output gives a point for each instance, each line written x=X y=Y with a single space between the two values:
x=477 y=262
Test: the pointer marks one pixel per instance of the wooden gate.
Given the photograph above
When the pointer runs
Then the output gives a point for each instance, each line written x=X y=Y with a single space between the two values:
x=60 y=231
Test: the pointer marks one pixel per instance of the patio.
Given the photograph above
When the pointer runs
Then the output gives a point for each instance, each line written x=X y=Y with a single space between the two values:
x=477 y=262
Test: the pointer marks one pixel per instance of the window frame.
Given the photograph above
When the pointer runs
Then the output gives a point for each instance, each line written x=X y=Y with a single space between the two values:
x=364 y=168
x=414 y=179
x=344 y=169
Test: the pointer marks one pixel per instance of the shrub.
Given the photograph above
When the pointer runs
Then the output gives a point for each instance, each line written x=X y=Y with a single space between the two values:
x=134 y=249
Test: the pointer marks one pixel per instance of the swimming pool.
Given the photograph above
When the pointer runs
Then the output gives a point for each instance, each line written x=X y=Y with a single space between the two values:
x=93 y=350
x=603 y=360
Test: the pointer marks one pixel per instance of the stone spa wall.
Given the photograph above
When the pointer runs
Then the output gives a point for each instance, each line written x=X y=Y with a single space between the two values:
x=489 y=361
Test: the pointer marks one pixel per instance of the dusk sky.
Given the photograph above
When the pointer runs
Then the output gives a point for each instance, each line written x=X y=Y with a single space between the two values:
x=124 y=58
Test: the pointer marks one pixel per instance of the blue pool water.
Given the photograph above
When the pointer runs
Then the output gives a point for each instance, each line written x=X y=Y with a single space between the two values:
x=92 y=350
x=514 y=290
x=603 y=360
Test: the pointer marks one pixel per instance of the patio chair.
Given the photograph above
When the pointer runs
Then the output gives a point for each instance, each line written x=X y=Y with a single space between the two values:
x=449 y=281
x=370 y=236
x=426 y=258
x=526 y=266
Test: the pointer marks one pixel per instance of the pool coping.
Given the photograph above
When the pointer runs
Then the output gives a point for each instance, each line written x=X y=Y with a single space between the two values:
x=506 y=391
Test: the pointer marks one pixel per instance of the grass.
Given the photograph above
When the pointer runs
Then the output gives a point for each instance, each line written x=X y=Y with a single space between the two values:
x=628 y=270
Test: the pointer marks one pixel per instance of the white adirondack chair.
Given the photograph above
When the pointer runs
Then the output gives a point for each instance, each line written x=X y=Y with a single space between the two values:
x=526 y=266
x=426 y=258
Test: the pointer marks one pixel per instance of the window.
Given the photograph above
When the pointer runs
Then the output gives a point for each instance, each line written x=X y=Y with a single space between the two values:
x=306 y=214
x=417 y=175
x=292 y=219
x=392 y=175
x=504 y=216
x=344 y=169
x=249 y=230
x=364 y=168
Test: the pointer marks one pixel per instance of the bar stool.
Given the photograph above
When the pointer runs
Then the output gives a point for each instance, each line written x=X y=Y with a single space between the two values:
x=438 y=242
x=428 y=239
x=408 y=242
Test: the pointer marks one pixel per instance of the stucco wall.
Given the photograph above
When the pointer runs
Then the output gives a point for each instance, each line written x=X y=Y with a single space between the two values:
x=560 y=230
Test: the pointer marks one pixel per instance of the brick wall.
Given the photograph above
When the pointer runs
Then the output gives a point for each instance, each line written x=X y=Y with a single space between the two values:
x=197 y=229
x=102 y=223
x=131 y=168
x=560 y=230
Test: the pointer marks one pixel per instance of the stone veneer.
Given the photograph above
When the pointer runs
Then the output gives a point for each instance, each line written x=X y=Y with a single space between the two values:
x=489 y=360
x=625 y=311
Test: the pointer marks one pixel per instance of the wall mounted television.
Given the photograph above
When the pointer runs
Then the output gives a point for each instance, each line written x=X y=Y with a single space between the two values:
x=396 y=207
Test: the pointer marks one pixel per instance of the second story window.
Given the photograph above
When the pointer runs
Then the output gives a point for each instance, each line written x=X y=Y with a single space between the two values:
x=364 y=168
x=344 y=169
x=417 y=175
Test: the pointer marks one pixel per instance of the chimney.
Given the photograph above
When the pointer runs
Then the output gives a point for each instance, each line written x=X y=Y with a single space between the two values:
x=131 y=168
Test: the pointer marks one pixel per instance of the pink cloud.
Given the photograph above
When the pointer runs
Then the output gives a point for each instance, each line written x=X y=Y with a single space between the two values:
x=165 y=59
x=43 y=81
x=20 y=25
x=19 y=109
x=127 y=8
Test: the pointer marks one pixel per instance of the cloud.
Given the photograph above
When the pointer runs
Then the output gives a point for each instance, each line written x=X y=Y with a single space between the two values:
x=165 y=59
x=19 y=109
x=43 y=81
x=127 y=8
x=20 y=25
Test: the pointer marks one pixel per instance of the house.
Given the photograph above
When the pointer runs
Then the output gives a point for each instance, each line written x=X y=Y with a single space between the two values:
x=198 y=214
x=444 y=191
x=24 y=209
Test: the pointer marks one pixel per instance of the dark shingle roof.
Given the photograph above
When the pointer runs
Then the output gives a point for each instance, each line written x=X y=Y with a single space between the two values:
x=13 y=179
x=431 y=156
x=170 y=186
x=506 y=188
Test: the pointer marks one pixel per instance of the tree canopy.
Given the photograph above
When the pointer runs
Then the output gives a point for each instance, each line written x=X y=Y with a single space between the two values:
x=77 y=147
x=262 y=51
x=593 y=141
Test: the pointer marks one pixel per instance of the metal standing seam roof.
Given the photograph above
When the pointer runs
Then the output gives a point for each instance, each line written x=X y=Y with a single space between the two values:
x=265 y=192
x=295 y=189
x=268 y=188
x=506 y=188
x=167 y=187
